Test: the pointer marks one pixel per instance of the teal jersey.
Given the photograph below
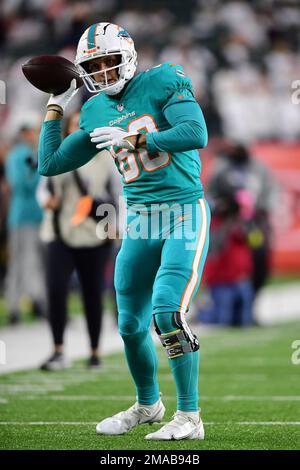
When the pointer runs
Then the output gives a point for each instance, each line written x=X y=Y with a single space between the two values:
x=23 y=181
x=151 y=176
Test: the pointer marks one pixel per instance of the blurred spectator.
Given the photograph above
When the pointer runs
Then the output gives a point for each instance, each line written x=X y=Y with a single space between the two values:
x=198 y=61
x=25 y=272
x=76 y=239
x=255 y=193
x=4 y=197
x=242 y=55
x=229 y=268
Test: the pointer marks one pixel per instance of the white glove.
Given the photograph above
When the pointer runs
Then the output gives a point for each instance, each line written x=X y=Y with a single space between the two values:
x=63 y=99
x=111 y=136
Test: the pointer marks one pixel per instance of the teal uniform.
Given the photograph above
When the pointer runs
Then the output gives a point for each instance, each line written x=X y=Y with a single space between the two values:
x=158 y=272
x=23 y=181
x=149 y=176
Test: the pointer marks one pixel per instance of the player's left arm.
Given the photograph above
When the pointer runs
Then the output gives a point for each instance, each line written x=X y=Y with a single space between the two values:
x=178 y=104
x=188 y=131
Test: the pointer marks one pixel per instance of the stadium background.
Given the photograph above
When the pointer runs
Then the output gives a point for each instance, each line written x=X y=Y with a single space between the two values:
x=243 y=58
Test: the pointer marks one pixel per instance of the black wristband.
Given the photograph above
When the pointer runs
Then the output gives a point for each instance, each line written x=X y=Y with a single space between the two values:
x=137 y=140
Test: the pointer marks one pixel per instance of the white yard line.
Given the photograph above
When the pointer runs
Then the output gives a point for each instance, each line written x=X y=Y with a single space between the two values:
x=84 y=398
x=257 y=398
x=79 y=398
x=96 y=376
x=102 y=397
x=268 y=423
x=33 y=388
x=46 y=423
x=88 y=423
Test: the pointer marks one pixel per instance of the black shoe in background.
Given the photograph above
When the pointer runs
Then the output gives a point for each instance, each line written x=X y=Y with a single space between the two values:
x=93 y=362
x=14 y=318
x=39 y=310
x=56 y=362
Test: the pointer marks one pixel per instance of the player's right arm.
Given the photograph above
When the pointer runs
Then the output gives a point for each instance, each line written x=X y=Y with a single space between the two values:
x=55 y=155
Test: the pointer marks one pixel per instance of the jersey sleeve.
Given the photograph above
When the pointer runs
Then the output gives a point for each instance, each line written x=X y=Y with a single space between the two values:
x=172 y=85
x=57 y=156
x=178 y=104
x=188 y=131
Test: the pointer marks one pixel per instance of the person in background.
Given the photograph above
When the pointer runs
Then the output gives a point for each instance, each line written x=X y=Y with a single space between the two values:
x=69 y=233
x=238 y=170
x=25 y=269
x=4 y=197
x=229 y=266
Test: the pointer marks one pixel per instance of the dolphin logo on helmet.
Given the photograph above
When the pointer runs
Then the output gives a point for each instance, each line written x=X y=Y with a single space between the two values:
x=102 y=40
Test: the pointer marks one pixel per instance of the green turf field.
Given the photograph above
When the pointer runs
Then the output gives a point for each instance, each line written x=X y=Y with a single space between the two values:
x=250 y=398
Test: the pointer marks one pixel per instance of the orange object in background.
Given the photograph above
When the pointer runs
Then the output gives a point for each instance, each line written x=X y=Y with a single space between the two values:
x=82 y=211
x=283 y=160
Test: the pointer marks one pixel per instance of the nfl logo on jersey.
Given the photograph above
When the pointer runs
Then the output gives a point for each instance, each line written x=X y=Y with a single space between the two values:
x=120 y=107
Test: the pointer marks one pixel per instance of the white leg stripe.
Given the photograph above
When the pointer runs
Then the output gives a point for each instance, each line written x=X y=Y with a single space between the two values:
x=188 y=292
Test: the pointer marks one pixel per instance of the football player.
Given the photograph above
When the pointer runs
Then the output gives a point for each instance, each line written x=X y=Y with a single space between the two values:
x=153 y=127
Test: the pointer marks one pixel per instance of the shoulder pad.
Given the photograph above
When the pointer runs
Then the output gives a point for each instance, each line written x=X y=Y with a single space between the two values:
x=168 y=78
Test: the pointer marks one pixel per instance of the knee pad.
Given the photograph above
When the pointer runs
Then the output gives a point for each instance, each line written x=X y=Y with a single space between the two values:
x=124 y=281
x=163 y=296
x=128 y=325
x=175 y=334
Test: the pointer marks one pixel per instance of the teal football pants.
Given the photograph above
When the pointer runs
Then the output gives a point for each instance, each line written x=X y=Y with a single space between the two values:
x=158 y=271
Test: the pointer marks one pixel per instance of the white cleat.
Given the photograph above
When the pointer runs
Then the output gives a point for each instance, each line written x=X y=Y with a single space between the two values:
x=182 y=426
x=129 y=419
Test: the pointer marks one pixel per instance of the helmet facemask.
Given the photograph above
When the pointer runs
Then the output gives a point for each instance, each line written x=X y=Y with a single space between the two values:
x=126 y=68
x=103 y=40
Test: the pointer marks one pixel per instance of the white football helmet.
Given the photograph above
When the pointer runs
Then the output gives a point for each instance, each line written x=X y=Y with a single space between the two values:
x=104 y=39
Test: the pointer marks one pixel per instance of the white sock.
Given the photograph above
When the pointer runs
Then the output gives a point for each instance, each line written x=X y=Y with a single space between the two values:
x=191 y=414
x=150 y=407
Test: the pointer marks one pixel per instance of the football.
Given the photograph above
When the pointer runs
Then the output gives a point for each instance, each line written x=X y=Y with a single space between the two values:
x=51 y=73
